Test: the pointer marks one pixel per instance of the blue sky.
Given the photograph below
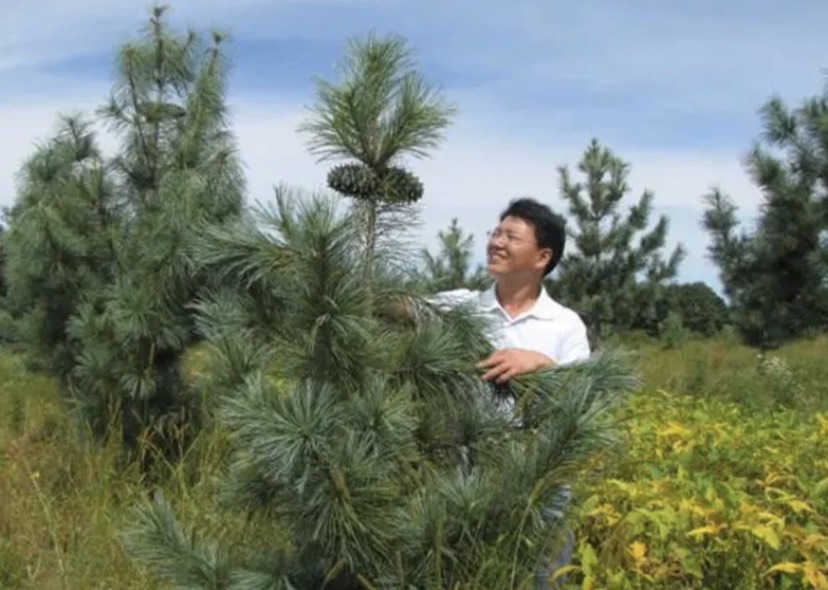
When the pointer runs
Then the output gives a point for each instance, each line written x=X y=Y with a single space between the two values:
x=672 y=87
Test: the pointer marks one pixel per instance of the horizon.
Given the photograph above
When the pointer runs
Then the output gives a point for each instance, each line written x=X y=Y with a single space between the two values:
x=673 y=90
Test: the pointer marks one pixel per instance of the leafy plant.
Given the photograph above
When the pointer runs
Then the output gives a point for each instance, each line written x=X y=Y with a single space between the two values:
x=709 y=495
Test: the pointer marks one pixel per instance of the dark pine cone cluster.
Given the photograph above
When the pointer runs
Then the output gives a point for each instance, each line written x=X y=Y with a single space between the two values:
x=392 y=185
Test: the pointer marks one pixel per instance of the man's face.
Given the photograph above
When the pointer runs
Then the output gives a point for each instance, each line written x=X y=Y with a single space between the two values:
x=513 y=250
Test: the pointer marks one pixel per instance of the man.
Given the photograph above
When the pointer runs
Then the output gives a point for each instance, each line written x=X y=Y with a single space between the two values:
x=529 y=329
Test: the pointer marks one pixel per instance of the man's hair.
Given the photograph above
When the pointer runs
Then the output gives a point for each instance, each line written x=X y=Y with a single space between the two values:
x=550 y=228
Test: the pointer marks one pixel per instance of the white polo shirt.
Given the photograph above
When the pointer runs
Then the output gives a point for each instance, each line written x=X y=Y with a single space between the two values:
x=548 y=327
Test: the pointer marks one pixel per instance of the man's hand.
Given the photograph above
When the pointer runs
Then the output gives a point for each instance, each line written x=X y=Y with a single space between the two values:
x=509 y=363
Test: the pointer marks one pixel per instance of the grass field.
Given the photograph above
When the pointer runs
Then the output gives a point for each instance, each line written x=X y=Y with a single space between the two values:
x=722 y=481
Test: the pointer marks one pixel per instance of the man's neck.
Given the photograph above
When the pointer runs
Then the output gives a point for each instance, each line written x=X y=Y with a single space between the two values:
x=517 y=297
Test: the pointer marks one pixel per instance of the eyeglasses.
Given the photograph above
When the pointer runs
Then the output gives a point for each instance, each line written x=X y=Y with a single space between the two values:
x=510 y=238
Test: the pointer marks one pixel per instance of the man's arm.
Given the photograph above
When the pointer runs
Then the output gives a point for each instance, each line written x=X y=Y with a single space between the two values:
x=509 y=363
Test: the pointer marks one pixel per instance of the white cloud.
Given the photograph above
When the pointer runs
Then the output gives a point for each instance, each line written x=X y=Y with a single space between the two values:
x=61 y=29
x=703 y=54
x=690 y=55
x=472 y=177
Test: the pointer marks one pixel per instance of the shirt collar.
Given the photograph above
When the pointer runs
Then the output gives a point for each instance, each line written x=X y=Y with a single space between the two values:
x=545 y=307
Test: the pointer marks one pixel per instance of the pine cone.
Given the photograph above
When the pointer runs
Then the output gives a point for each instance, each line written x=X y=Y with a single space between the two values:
x=401 y=186
x=354 y=180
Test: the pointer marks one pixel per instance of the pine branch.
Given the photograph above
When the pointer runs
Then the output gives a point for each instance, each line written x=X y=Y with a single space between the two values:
x=159 y=541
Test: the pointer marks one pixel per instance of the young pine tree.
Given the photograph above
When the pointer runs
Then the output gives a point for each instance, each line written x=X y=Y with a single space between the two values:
x=361 y=427
x=60 y=242
x=776 y=277
x=613 y=276
x=381 y=111
x=100 y=271
x=450 y=267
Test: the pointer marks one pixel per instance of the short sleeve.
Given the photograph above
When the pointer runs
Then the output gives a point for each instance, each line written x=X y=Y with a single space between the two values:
x=574 y=346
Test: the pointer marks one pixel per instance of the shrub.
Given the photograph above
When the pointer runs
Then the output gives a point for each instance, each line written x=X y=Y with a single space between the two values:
x=710 y=495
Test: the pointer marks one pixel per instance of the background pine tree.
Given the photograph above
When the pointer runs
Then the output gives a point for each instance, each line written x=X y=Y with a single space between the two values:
x=100 y=272
x=776 y=276
x=699 y=307
x=60 y=241
x=614 y=269
x=450 y=267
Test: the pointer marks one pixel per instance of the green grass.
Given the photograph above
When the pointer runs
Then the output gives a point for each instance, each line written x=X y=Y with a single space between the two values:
x=727 y=371
x=63 y=503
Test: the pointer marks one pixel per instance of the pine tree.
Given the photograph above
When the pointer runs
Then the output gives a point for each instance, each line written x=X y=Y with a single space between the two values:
x=381 y=111
x=59 y=242
x=776 y=277
x=450 y=267
x=607 y=277
x=6 y=324
x=699 y=307
x=361 y=426
x=100 y=269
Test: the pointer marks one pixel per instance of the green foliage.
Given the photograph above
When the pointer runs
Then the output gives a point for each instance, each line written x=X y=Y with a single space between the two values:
x=359 y=422
x=699 y=307
x=607 y=277
x=673 y=331
x=450 y=267
x=100 y=270
x=355 y=445
x=2 y=263
x=793 y=378
x=380 y=111
x=775 y=277
x=6 y=325
x=64 y=500
x=710 y=495
x=59 y=241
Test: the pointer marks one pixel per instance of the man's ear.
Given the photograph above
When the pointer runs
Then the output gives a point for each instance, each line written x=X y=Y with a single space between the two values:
x=544 y=257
